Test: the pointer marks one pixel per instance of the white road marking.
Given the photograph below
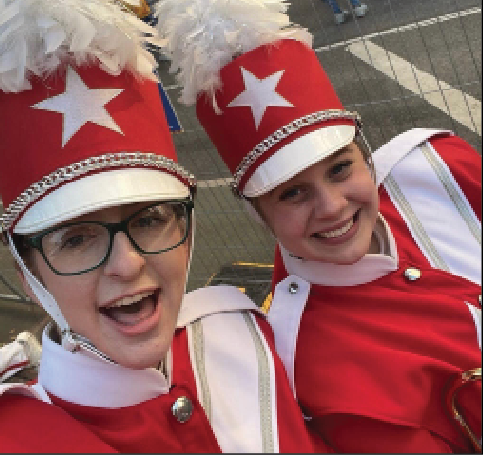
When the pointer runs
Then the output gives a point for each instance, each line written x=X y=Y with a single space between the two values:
x=458 y=105
x=221 y=182
x=403 y=28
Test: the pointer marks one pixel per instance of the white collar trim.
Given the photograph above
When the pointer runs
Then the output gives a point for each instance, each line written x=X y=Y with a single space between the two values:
x=370 y=267
x=211 y=300
x=82 y=379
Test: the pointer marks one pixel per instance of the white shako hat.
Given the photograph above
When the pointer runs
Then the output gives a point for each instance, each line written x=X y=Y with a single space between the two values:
x=260 y=92
x=81 y=121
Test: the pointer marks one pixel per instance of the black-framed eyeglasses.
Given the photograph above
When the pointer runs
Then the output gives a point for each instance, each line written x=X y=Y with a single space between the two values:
x=79 y=247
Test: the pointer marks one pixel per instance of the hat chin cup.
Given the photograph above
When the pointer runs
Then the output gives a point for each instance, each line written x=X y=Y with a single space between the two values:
x=99 y=191
x=296 y=156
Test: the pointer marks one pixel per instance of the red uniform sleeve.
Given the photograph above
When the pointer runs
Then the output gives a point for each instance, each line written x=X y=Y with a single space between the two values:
x=350 y=434
x=29 y=425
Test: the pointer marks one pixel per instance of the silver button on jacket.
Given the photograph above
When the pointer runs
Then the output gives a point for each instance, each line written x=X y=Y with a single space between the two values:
x=412 y=274
x=182 y=409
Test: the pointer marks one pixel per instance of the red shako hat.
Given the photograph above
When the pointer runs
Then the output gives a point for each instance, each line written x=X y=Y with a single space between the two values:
x=260 y=92
x=80 y=114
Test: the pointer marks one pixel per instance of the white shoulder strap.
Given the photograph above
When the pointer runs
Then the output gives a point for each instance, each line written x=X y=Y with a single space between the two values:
x=289 y=300
x=392 y=152
x=437 y=212
x=209 y=300
x=236 y=385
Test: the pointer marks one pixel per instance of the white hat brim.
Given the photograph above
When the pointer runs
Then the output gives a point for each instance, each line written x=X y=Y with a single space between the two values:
x=99 y=191
x=296 y=156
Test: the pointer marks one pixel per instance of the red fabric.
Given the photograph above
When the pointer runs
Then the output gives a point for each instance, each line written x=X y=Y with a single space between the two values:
x=385 y=351
x=137 y=110
x=374 y=361
x=31 y=426
x=150 y=427
x=304 y=84
x=465 y=165
x=357 y=434
x=294 y=437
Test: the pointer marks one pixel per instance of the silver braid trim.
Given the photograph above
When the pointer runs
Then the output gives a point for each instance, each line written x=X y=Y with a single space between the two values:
x=287 y=130
x=68 y=173
x=74 y=342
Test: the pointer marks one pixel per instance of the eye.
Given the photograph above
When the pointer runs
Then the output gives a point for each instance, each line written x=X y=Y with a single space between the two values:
x=340 y=169
x=74 y=241
x=75 y=237
x=290 y=193
x=149 y=221
x=152 y=218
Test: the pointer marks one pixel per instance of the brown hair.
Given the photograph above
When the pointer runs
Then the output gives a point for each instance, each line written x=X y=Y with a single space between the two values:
x=21 y=246
x=364 y=147
x=25 y=251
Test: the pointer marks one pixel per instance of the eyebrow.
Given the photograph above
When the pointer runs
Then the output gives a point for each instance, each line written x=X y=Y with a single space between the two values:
x=334 y=156
x=341 y=151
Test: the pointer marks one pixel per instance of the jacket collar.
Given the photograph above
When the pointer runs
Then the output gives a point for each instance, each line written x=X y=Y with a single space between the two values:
x=84 y=379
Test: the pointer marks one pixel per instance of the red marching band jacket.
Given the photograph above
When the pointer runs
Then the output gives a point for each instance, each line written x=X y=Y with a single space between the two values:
x=375 y=351
x=222 y=389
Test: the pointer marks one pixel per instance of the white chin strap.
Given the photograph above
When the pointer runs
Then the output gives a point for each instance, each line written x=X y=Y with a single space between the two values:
x=191 y=249
x=46 y=300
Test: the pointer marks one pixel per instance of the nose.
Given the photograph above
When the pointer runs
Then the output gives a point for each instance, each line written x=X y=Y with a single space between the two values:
x=329 y=201
x=124 y=260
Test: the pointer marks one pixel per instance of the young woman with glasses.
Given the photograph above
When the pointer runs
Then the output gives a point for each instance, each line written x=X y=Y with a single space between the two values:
x=99 y=218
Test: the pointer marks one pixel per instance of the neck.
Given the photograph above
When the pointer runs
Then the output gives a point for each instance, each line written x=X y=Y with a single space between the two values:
x=374 y=247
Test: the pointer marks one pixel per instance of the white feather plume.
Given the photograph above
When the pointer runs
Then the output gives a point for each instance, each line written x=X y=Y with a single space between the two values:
x=36 y=36
x=202 y=36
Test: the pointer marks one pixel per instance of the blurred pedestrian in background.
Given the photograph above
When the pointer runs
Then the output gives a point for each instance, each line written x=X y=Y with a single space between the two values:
x=360 y=10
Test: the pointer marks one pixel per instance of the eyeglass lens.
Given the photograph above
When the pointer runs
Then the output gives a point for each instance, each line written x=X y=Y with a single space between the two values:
x=82 y=246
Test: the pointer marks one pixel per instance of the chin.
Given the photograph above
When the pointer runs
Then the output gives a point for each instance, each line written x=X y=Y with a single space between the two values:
x=354 y=255
x=348 y=261
x=142 y=356
x=345 y=257
x=139 y=362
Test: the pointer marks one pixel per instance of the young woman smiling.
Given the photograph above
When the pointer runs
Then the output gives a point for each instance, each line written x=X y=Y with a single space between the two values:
x=376 y=307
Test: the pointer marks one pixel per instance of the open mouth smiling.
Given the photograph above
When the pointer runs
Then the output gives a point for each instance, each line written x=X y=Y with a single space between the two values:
x=338 y=232
x=132 y=310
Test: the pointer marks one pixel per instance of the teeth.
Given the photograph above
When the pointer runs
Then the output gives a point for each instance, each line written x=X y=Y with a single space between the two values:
x=339 y=232
x=128 y=300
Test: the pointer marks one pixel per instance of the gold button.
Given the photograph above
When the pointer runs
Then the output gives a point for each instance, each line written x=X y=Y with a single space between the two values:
x=412 y=274
x=182 y=409
x=293 y=288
